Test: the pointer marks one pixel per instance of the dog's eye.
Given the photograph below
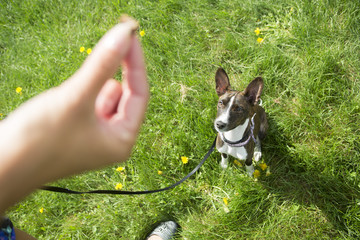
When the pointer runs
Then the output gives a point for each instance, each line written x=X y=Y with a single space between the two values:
x=221 y=103
x=238 y=109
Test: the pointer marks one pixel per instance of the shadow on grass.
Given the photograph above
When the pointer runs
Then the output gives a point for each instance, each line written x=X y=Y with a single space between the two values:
x=335 y=196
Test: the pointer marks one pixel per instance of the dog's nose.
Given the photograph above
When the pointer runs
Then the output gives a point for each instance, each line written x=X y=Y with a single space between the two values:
x=220 y=125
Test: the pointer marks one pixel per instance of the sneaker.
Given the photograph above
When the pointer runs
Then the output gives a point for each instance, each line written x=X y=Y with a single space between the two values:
x=165 y=230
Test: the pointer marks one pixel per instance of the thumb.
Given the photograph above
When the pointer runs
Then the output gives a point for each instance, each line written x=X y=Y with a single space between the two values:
x=105 y=59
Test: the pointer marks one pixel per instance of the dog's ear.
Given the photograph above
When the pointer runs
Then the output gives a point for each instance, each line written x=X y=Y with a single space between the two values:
x=222 y=82
x=253 y=90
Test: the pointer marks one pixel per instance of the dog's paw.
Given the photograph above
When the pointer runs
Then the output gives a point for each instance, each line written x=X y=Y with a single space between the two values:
x=224 y=164
x=250 y=170
x=257 y=156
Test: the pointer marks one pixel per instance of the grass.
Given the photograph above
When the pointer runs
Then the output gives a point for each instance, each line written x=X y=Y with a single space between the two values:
x=309 y=60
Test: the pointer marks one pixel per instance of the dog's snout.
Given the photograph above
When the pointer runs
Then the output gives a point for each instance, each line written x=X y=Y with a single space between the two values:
x=220 y=125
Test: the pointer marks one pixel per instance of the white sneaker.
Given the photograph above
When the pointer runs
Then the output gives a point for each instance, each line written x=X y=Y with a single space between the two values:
x=165 y=230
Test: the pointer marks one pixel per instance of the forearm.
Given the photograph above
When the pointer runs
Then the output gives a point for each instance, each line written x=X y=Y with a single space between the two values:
x=20 y=163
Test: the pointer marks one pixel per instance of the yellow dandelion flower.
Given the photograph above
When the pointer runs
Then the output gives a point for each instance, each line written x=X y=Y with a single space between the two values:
x=263 y=166
x=184 y=160
x=18 y=90
x=88 y=51
x=226 y=201
x=41 y=210
x=1 y=114
x=82 y=49
x=257 y=31
x=256 y=173
x=120 y=169
x=260 y=40
x=238 y=163
x=142 y=33
x=118 y=186
x=160 y=172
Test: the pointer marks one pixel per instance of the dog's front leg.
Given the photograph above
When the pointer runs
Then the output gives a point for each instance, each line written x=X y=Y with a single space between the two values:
x=224 y=160
x=249 y=167
x=257 y=150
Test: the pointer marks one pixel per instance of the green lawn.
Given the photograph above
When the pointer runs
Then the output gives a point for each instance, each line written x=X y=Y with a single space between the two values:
x=309 y=59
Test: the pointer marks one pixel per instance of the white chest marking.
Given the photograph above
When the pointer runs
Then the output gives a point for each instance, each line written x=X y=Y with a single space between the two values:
x=235 y=135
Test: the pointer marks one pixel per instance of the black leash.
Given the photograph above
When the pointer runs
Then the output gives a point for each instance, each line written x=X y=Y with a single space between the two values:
x=64 y=190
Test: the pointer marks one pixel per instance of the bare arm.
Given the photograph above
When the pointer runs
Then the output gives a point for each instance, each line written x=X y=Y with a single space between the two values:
x=88 y=122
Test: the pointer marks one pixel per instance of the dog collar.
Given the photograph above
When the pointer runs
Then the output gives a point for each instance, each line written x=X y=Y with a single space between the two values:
x=245 y=140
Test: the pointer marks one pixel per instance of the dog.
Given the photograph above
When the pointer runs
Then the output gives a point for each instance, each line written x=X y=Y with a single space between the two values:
x=241 y=122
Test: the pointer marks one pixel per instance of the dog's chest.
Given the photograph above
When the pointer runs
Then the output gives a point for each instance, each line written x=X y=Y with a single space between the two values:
x=235 y=135
x=236 y=152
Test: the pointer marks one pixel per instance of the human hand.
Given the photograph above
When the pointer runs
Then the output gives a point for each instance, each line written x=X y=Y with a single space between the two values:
x=89 y=121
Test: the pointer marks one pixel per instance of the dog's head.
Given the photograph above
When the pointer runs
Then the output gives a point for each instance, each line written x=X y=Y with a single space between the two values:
x=234 y=107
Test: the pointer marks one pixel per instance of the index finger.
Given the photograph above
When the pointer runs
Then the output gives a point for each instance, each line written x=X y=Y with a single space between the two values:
x=135 y=95
x=134 y=70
